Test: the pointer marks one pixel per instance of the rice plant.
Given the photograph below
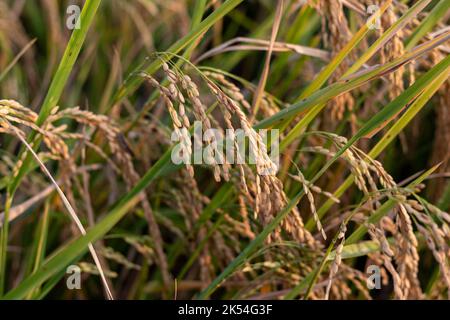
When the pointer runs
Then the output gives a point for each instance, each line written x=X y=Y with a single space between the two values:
x=114 y=116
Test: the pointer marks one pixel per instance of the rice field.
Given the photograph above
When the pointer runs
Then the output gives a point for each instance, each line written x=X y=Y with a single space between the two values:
x=224 y=149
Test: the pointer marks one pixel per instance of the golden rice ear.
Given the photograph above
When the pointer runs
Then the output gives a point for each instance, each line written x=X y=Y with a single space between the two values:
x=69 y=208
